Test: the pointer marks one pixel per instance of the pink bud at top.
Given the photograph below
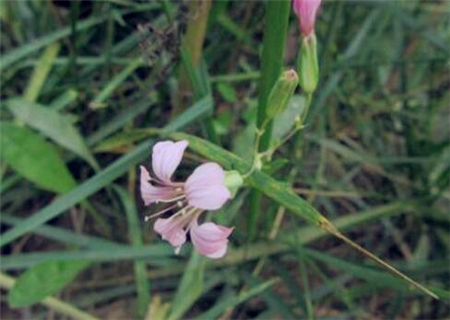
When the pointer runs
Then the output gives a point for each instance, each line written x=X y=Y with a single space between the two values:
x=306 y=11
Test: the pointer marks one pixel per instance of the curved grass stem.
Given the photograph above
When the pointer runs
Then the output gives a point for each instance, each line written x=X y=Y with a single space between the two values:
x=329 y=227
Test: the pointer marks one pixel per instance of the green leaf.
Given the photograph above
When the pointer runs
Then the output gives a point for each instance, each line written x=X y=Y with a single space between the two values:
x=34 y=158
x=64 y=308
x=51 y=123
x=43 y=280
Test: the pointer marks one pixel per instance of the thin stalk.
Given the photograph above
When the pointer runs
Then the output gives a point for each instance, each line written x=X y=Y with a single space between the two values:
x=74 y=14
x=328 y=226
x=305 y=284
x=277 y=21
x=193 y=40
x=190 y=56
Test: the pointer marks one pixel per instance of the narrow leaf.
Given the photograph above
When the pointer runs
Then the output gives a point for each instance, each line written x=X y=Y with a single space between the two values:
x=41 y=71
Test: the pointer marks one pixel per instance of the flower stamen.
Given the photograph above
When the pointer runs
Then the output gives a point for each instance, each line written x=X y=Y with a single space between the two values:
x=157 y=214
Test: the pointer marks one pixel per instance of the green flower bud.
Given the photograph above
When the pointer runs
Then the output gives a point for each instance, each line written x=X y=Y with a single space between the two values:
x=233 y=181
x=307 y=64
x=281 y=92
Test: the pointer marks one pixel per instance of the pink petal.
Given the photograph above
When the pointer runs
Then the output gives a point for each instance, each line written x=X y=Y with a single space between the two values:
x=210 y=239
x=166 y=157
x=171 y=229
x=306 y=10
x=151 y=194
x=205 y=187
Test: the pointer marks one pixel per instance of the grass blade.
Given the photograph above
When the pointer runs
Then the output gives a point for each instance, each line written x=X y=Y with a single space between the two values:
x=41 y=71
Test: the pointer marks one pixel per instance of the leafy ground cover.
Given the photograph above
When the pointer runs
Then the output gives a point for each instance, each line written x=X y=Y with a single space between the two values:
x=87 y=87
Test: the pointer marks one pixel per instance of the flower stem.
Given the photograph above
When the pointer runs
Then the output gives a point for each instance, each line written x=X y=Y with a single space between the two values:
x=277 y=21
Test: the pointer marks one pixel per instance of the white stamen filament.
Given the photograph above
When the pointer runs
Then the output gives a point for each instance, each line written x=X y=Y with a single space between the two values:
x=173 y=199
x=148 y=217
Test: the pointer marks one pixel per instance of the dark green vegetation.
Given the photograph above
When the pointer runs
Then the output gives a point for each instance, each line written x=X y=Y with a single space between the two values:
x=85 y=85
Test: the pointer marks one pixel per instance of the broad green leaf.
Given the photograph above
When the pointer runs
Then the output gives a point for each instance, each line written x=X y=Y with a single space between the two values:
x=43 y=280
x=190 y=287
x=34 y=158
x=51 y=123
x=64 y=308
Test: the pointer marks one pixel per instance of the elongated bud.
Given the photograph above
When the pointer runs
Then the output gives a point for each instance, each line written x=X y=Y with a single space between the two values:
x=233 y=181
x=281 y=92
x=307 y=64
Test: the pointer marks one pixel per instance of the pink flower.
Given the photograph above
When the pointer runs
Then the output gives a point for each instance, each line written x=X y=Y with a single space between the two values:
x=306 y=11
x=203 y=190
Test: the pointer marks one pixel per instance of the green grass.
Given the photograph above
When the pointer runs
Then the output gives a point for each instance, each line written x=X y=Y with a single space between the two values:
x=86 y=92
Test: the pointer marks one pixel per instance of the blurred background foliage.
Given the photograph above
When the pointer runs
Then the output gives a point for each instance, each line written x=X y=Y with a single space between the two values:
x=84 y=82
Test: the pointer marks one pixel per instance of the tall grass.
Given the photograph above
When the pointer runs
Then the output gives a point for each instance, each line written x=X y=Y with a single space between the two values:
x=87 y=88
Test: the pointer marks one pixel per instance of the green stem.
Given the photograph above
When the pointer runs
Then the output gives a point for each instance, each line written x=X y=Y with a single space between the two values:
x=136 y=237
x=277 y=21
